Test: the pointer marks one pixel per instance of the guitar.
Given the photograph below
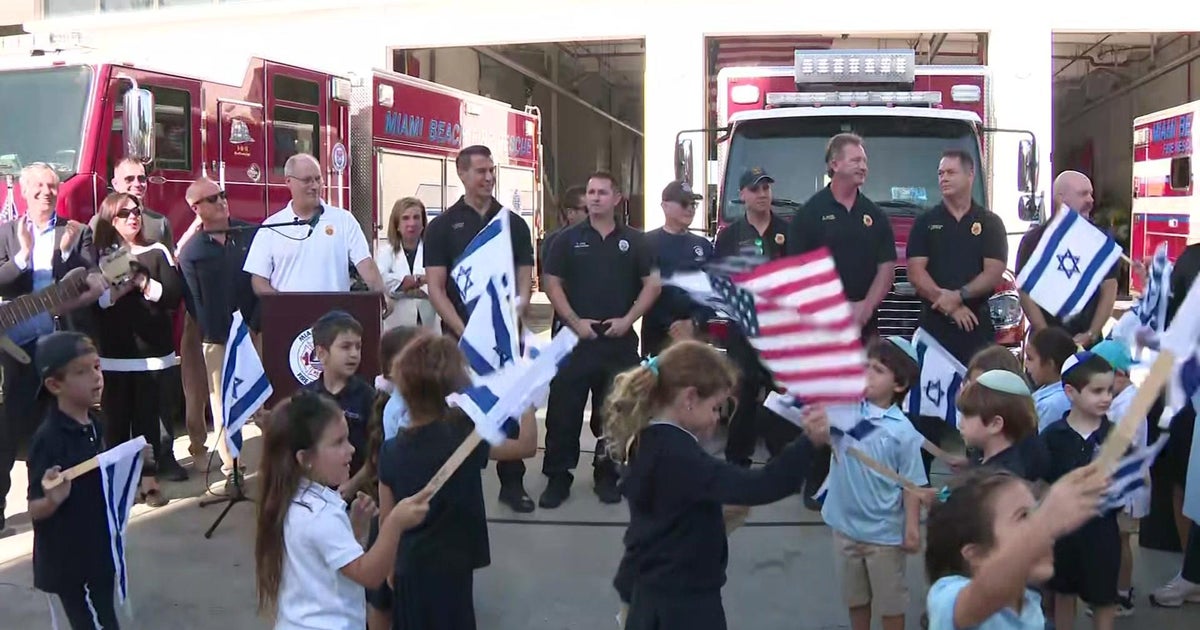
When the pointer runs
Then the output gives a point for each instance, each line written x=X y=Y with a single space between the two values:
x=116 y=266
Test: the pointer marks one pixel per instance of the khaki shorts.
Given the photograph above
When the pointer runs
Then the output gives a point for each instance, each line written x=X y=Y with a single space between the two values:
x=871 y=575
x=1127 y=523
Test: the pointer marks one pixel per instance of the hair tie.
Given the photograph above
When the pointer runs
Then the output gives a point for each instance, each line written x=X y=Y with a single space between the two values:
x=943 y=495
x=651 y=363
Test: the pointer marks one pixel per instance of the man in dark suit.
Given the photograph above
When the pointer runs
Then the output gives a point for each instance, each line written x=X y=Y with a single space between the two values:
x=36 y=251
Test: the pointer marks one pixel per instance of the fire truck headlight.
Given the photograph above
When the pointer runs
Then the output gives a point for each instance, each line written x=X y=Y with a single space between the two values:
x=1005 y=309
x=744 y=94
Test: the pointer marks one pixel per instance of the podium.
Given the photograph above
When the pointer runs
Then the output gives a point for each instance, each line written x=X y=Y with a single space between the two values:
x=289 y=357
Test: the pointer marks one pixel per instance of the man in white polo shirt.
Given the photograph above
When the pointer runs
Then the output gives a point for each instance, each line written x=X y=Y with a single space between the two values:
x=313 y=256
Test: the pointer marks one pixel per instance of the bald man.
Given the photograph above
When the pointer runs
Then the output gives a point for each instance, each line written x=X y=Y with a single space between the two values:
x=211 y=261
x=1074 y=190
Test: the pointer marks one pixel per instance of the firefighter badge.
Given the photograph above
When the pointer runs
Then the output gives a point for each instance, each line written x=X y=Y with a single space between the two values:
x=779 y=239
x=976 y=228
x=868 y=221
x=329 y=230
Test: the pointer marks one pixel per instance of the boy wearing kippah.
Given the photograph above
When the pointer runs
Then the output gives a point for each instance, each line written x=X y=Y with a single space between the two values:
x=998 y=419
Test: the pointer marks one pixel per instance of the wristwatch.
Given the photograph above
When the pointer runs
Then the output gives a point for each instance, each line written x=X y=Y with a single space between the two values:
x=962 y=293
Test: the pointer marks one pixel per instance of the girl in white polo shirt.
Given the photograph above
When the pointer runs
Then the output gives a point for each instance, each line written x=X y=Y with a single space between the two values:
x=311 y=569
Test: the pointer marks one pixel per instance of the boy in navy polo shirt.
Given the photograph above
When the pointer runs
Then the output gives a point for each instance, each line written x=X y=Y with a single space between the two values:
x=72 y=555
x=1087 y=561
x=337 y=338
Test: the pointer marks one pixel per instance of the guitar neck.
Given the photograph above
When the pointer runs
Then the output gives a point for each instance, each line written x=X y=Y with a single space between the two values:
x=31 y=305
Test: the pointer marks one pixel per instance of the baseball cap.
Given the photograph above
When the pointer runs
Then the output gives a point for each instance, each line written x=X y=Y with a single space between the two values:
x=1116 y=353
x=679 y=192
x=56 y=350
x=754 y=177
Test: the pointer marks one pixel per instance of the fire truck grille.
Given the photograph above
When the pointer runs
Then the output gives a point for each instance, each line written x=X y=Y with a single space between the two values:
x=899 y=311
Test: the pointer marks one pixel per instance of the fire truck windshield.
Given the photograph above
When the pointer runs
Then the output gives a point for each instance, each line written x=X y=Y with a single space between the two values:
x=41 y=118
x=902 y=159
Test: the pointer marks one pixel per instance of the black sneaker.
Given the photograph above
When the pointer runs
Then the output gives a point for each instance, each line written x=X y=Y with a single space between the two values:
x=557 y=490
x=1125 y=604
x=172 y=471
x=514 y=496
x=606 y=489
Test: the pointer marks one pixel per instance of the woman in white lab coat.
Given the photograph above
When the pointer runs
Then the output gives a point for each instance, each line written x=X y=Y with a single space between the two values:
x=400 y=260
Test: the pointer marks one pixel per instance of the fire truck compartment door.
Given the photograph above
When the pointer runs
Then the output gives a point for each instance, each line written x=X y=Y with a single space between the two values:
x=241 y=161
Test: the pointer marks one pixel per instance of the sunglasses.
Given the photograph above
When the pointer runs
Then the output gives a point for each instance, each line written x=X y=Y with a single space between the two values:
x=141 y=179
x=213 y=198
x=125 y=213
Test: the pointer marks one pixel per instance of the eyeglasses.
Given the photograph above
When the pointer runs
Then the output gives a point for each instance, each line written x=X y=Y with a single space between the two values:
x=307 y=181
x=219 y=195
x=132 y=211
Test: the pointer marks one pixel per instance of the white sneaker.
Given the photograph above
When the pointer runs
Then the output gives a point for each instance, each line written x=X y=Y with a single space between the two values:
x=1175 y=593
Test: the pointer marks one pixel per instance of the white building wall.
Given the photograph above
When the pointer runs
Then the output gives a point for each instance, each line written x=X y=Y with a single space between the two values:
x=348 y=34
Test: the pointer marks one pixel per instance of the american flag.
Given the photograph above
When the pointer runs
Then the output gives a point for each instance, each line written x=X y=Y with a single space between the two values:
x=796 y=316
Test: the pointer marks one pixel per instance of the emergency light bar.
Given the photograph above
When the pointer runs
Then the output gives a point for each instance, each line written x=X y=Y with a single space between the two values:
x=855 y=66
x=792 y=99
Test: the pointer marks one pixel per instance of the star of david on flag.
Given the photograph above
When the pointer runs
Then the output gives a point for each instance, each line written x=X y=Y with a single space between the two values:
x=936 y=393
x=485 y=276
x=244 y=385
x=1069 y=263
x=120 y=473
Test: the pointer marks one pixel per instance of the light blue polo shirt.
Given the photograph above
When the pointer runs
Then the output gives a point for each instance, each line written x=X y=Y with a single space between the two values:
x=395 y=415
x=939 y=605
x=862 y=504
x=1051 y=403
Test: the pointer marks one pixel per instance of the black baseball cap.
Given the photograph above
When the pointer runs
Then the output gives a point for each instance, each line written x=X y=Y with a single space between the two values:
x=754 y=177
x=56 y=350
x=680 y=192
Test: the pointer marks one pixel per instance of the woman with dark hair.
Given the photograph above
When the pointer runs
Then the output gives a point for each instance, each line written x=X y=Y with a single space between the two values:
x=136 y=338
x=400 y=259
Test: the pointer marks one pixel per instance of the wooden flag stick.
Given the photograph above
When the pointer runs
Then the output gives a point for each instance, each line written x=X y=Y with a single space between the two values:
x=869 y=462
x=70 y=474
x=451 y=466
x=1119 y=440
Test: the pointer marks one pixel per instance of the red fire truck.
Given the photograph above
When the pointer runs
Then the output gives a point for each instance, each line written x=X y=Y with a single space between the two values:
x=378 y=138
x=1164 y=200
x=780 y=118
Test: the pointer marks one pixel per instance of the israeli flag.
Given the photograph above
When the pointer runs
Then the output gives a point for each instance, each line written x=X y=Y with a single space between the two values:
x=941 y=378
x=120 y=474
x=1132 y=474
x=1151 y=309
x=487 y=256
x=1068 y=265
x=490 y=340
x=495 y=401
x=244 y=384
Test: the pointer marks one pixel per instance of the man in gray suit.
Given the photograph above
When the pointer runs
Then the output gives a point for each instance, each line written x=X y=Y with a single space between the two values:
x=36 y=251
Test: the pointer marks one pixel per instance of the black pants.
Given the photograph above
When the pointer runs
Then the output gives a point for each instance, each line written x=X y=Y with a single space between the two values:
x=588 y=370
x=173 y=410
x=22 y=413
x=131 y=403
x=1191 y=556
x=690 y=611
x=90 y=606
x=434 y=601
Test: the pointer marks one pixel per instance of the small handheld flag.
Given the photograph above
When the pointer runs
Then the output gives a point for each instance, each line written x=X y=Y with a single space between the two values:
x=120 y=474
x=936 y=394
x=1069 y=263
x=244 y=385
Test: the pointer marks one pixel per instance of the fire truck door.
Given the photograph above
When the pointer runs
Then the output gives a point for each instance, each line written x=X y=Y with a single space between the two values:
x=241 y=160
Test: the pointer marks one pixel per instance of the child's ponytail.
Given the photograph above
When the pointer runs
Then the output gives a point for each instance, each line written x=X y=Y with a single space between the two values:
x=637 y=394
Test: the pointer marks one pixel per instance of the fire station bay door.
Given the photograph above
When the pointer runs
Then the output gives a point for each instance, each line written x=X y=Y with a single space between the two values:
x=241 y=163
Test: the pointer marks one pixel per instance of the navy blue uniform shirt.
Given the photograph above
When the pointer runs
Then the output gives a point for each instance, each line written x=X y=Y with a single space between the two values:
x=357 y=400
x=676 y=253
x=72 y=546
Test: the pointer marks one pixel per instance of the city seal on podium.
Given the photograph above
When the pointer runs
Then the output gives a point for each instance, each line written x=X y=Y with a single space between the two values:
x=303 y=358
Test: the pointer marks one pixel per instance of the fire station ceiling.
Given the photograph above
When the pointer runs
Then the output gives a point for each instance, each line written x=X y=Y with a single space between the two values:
x=1076 y=55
